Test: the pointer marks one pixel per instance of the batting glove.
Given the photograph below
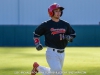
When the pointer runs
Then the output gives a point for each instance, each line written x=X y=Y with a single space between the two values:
x=69 y=38
x=39 y=47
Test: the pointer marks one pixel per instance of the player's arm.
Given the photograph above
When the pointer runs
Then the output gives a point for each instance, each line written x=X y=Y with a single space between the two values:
x=38 y=32
x=37 y=43
x=70 y=34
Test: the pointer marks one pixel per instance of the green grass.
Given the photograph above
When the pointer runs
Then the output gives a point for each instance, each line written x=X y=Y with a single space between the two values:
x=78 y=60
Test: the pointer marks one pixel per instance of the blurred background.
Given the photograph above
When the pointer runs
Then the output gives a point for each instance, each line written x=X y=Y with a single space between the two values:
x=19 y=18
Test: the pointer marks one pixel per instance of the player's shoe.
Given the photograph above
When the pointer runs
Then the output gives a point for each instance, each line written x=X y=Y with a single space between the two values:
x=34 y=70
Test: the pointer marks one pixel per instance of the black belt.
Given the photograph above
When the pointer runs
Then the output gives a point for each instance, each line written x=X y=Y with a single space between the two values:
x=59 y=51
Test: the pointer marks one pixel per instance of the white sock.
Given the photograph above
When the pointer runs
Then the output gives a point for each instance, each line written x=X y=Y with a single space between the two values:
x=43 y=70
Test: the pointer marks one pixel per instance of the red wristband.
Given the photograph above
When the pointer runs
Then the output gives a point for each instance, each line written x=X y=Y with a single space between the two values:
x=36 y=40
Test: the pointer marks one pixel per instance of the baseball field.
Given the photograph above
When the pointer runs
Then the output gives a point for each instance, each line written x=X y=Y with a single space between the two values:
x=78 y=60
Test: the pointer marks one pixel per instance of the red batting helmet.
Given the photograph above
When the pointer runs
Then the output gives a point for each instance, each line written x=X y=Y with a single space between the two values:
x=52 y=7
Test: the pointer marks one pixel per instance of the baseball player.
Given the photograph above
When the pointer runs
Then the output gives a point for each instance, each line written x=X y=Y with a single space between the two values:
x=57 y=35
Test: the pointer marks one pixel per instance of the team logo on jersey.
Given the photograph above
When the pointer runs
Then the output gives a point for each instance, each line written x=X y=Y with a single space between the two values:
x=57 y=31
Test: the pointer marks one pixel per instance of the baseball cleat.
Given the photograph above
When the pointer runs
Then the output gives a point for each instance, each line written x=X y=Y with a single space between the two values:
x=34 y=70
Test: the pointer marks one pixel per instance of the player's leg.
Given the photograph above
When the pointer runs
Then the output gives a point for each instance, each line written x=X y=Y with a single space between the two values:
x=62 y=56
x=44 y=70
x=54 y=62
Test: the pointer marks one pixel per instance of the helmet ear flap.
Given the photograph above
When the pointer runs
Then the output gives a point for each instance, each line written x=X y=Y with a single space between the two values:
x=50 y=13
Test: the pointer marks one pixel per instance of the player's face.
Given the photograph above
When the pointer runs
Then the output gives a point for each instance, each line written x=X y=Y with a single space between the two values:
x=57 y=13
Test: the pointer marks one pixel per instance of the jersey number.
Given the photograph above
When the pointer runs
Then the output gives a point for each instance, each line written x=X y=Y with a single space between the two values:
x=61 y=36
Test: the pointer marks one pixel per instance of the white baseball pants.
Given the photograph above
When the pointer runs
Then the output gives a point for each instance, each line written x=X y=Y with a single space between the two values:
x=55 y=61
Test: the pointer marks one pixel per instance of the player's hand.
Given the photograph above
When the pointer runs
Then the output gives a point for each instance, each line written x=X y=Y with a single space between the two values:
x=39 y=47
x=69 y=38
